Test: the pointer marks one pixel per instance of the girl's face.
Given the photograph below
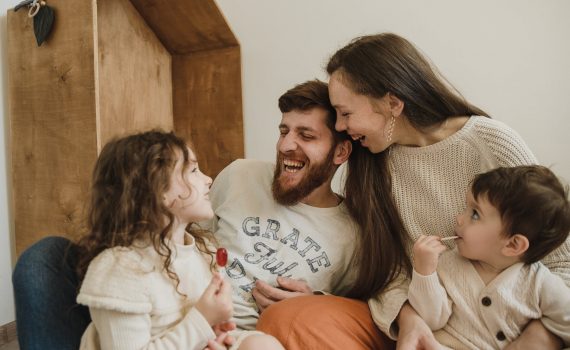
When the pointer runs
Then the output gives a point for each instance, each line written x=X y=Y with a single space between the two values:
x=187 y=195
x=480 y=230
x=357 y=115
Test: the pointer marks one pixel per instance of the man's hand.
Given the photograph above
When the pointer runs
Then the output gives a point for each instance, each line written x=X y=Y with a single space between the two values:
x=535 y=336
x=414 y=333
x=265 y=294
x=426 y=254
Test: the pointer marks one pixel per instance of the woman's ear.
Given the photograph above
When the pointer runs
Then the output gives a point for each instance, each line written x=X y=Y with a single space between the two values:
x=516 y=246
x=396 y=105
x=342 y=152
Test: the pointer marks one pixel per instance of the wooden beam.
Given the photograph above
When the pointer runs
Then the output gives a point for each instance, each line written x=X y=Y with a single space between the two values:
x=185 y=26
x=208 y=105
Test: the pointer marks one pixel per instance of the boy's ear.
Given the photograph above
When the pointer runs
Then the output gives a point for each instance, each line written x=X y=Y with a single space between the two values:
x=342 y=152
x=516 y=245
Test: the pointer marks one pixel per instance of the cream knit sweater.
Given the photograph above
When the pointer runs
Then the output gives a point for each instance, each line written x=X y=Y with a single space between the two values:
x=429 y=186
x=135 y=305
x=467 y=314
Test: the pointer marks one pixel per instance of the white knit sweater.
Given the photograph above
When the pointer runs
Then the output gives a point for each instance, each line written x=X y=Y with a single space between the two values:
x=135 y=305
x=429 y=186
x=467 y=314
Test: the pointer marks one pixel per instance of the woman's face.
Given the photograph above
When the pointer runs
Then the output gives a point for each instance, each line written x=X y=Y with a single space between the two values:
x=364 y=118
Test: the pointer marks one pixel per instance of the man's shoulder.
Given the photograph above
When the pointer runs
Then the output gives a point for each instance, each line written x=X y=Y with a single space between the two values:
x=244 y=173
x=250 y=165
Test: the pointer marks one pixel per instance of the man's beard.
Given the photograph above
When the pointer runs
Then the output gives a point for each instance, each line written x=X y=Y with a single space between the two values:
x=316 y=175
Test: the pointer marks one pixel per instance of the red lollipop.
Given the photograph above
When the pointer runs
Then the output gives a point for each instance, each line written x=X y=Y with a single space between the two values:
x=221 y=257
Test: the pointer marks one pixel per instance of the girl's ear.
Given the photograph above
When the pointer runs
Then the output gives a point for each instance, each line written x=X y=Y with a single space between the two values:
x=342 y=152
x=516 y=246
x=396 y=105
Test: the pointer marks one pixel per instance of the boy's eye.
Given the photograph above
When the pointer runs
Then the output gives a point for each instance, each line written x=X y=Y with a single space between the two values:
x=194 y=169
x=307 y=137
x=474 y=215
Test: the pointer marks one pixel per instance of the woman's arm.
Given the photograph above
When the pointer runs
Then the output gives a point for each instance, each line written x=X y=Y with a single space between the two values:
x=413 y=331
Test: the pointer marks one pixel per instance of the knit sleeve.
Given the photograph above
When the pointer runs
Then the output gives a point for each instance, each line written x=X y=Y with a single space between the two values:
x=386 y=306
x=126 y=331
x=428 y=297
x=117 y=280
x=555 y=306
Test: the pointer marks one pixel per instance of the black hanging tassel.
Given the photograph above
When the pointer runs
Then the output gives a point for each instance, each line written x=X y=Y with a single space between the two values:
x=43 y=23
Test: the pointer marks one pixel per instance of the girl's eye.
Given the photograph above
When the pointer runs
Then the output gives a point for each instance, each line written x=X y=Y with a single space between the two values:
x=307 y=137
x=474 y=215
x=346 y=114
x=194 y=170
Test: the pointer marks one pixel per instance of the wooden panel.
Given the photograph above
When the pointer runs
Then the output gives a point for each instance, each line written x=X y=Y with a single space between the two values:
x=135 y=75
x=207 y=105
x=52 y=117
x=186 y=26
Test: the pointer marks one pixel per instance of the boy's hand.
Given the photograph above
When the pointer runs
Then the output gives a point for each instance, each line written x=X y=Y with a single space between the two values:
x=215 y=304
x=426 y=254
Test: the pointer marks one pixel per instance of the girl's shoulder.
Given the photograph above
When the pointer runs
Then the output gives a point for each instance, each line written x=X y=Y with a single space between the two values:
x=119 y=279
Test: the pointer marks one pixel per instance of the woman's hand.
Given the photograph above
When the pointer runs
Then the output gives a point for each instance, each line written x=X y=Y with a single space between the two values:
x=535 y=336
x=215 y=304
x=414 y=333
x=426 y=254
x=266 y=295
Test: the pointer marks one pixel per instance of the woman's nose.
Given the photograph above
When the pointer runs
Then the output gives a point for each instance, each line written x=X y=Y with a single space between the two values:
x=340 y=124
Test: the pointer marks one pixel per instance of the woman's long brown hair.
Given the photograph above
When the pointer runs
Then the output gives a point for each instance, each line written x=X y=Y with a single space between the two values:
x=130 y=178
x=373 y=66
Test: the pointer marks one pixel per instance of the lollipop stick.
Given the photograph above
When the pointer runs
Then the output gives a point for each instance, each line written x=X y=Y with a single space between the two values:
x=449 y=238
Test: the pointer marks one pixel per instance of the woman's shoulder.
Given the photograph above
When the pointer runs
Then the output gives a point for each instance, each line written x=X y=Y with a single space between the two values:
x=504 y=142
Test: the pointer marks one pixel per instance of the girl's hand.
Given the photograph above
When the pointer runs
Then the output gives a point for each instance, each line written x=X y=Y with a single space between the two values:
x=215 y=304
x=414 y=333
x=426 y=254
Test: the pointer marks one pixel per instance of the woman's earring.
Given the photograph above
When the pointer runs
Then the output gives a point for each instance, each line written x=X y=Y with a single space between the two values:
x=391 y=128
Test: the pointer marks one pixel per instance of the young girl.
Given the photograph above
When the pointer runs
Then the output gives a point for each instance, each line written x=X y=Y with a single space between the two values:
x=486 y=291
x=149 y=275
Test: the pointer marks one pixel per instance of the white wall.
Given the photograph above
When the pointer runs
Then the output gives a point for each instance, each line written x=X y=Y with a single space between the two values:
x=510 y=57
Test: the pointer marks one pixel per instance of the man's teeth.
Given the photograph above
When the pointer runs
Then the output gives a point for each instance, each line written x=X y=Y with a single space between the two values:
x=358 y=137
x=293 y=165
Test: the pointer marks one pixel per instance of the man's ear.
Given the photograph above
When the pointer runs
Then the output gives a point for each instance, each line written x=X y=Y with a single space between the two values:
x=396 y=105
x=516 y=246
x=342 y=152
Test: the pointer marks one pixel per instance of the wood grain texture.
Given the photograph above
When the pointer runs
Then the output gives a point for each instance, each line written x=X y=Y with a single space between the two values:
x=103 y=72
x=208 y=105
x=52 y=121
x=186 y=26
x=134 y=73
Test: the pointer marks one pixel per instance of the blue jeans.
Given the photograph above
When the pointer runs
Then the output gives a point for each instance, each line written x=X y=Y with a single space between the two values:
x=45 y=289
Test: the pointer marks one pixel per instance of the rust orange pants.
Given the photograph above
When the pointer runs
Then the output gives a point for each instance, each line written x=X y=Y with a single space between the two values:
x=323 y=322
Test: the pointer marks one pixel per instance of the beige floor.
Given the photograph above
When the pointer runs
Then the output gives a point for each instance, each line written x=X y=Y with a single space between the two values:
x=10 y=346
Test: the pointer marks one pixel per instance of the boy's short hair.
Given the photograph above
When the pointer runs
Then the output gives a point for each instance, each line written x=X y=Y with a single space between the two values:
x=532 y=202
x=308 y=95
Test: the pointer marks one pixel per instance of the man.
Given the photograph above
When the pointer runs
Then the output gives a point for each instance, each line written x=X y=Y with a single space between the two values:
x=286 y=231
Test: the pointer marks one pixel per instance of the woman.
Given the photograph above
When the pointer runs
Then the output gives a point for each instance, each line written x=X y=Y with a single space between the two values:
x=417 y=146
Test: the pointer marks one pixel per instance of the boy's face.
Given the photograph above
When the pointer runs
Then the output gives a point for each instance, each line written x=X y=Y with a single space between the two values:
x=480 y=230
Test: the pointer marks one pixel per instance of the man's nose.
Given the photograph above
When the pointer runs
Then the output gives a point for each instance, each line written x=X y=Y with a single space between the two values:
x=288 y=143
